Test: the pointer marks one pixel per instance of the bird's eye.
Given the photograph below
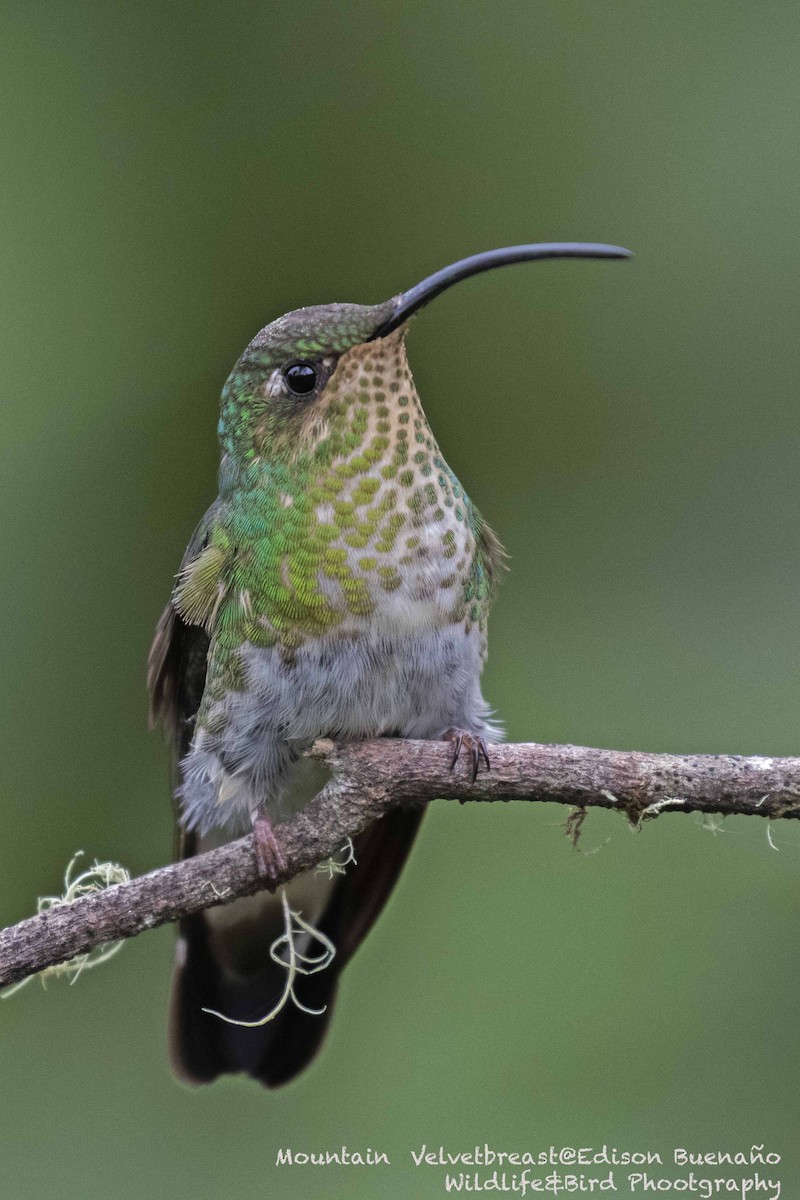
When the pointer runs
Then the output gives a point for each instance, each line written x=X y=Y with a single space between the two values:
x=301 y=378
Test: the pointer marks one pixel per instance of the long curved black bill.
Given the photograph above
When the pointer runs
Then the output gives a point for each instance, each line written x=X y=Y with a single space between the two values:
x=407 y=303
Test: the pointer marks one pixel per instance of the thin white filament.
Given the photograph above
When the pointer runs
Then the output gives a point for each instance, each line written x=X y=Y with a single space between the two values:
x=296 y=963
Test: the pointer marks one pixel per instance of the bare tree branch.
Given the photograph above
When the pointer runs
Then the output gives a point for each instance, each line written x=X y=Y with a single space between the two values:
x=367 y=779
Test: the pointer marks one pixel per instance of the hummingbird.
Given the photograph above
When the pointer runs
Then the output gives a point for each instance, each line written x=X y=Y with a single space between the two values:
x=337 y=587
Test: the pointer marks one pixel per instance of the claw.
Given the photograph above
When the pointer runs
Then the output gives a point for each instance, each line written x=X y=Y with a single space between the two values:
x=458 y=742
x=476 y=761
x=474 y=743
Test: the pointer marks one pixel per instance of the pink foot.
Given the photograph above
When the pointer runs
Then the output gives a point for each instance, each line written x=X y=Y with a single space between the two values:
x=269 y=856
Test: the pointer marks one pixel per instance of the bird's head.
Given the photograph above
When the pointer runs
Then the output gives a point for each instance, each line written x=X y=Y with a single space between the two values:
x=301 y=383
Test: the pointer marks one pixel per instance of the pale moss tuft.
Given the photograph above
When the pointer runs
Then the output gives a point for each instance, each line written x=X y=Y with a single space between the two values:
x=295 y=962
x=96 y=878
x=338 y=866
x=286 y=950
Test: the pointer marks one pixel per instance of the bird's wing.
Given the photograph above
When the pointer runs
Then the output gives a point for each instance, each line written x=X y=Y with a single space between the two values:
x=176 y=668
x=176 y=665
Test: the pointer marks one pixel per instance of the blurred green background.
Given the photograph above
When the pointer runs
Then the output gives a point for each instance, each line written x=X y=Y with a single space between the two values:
x=173 y=177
